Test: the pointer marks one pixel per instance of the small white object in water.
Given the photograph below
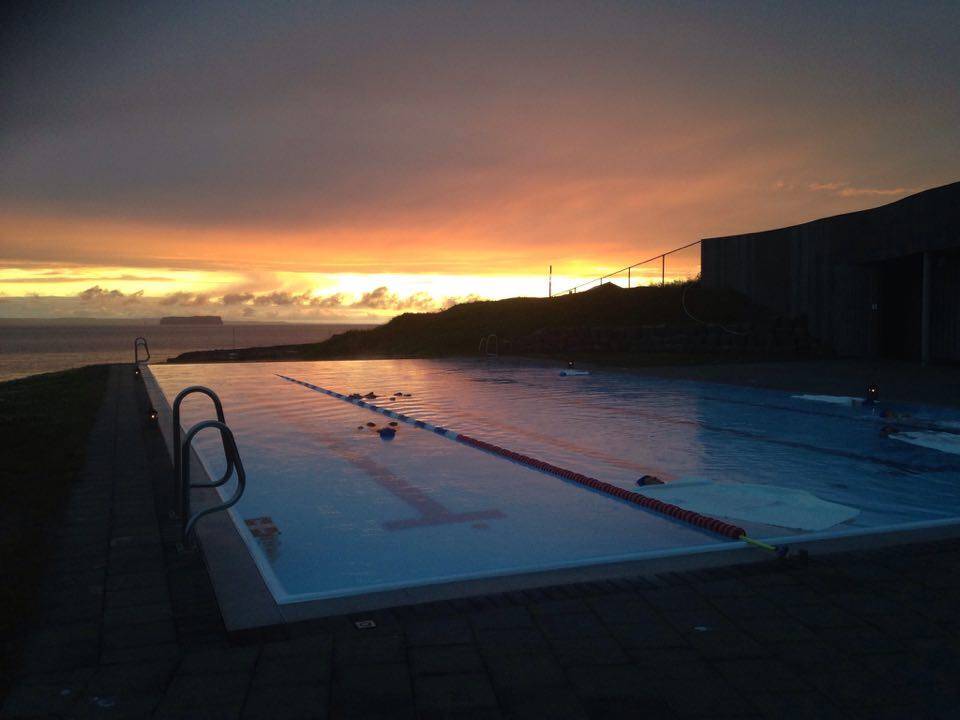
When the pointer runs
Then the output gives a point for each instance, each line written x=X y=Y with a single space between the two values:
x=832 y=399
x=942 y=441
x=768 y=504
x=568 y=373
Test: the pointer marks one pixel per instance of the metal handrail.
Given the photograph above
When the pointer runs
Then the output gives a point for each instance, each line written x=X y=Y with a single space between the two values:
x=177 y=464
x=485 y=344
x=662 y=257
x=136 y=350
x=230 y=450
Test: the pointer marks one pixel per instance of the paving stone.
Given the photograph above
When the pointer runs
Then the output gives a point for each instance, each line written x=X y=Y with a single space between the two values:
x=825 y=617
x=517 y=675
x=507 y=617
x=137 y=614
x=454 y=694
x=120 y=637
x=516 y=641
x=725 y=645
x=651 y=635
x=564 y=606
x=748 y=675
x=796 y=706
x=132 y=678
x=125 y=707
x=623 y=608
x=555 y=703
x=568 y=627
x=600 y=650
x=219 y=661
x=610 y=682
x=367 y=650
x=140 y=653
x=710 y=699
x=136 y=580
x=438 y=631
x=45 y=694
x=369 y=691
x=672 y=665
x=137 y=596
x=445 y=659
x=53 y=656
x=649 y=708
x=292 y=670
x=83 y=581
x=90 y=609
x=311 y=646
x=303 y=702
x=674 y=599
x=724 y=588
x=862 y=641
x=194 y=695
x=777 y=630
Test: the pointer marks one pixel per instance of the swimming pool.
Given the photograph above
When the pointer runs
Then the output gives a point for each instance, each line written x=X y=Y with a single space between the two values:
x=333 y=510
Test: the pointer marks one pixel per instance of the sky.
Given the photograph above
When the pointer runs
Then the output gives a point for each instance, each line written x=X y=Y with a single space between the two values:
x=349 y=161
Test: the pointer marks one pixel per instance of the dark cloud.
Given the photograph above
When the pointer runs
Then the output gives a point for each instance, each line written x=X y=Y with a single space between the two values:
x=185 y=299
x=451 y=301
x=382 y=298
x=52 y=276
x=282 y=298
x=427 y=114
x=236 y=298
x=330 y=301
x=100 y=295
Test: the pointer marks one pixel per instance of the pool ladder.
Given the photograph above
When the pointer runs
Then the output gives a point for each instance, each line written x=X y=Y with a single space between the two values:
x=490 y=346
x=181 y=463
x=137 y=344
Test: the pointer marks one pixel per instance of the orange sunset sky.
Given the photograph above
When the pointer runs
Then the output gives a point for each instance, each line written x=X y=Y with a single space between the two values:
x=344 y=162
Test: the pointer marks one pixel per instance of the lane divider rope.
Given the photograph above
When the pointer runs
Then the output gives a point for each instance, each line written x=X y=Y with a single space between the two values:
x=704 y=522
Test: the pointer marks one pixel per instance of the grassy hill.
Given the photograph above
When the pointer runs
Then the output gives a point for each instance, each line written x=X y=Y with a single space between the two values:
x=458 y=330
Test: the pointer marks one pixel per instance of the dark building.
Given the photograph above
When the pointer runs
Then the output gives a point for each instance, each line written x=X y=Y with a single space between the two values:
x=876 y=283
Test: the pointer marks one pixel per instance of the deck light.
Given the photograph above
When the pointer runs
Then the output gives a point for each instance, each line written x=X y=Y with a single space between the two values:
x=152 y=414
x=136 y=370
x=873 y=393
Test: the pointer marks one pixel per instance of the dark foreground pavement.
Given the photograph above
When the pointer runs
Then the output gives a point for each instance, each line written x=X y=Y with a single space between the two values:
x=127 y=627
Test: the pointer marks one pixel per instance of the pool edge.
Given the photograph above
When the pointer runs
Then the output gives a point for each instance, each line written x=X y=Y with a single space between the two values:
x=243 y=595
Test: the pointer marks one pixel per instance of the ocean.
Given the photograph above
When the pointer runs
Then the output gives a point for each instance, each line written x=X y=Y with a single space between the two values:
x=29 y=347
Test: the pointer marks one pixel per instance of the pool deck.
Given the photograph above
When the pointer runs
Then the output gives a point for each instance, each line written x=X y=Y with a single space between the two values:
x=129 y=627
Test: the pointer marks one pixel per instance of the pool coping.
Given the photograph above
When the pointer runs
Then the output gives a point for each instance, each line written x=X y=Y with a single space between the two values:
x=247 y=605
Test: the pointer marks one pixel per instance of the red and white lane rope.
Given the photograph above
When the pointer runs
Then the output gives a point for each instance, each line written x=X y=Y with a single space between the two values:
x=704 y=522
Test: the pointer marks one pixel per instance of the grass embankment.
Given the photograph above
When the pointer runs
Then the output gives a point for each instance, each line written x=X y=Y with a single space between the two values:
x=44 y=422
x=458 y=330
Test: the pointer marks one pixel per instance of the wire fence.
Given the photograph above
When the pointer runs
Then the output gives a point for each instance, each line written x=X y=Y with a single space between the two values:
x=678 y=265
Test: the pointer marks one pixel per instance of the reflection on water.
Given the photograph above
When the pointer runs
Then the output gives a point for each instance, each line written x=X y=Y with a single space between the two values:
x=357 y=512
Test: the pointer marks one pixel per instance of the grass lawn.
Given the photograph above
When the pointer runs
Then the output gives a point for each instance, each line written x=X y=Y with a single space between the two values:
x=44 y=422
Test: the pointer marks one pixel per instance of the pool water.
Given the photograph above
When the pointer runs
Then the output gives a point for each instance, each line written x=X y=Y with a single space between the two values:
x=356 y=513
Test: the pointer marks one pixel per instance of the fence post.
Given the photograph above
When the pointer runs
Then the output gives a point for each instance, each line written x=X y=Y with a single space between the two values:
x=663 y=269
x=628 y=278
